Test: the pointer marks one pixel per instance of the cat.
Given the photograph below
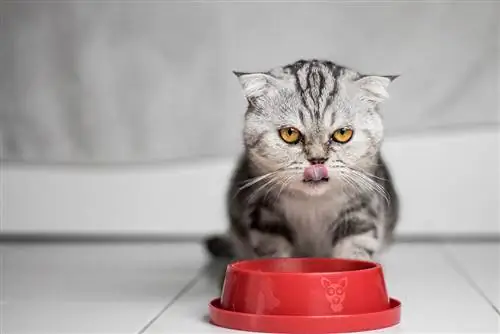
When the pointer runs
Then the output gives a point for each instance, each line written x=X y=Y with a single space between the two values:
x=311 y=181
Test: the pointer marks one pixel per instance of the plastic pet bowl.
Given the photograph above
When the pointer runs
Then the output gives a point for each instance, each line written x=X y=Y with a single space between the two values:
x=304 y=295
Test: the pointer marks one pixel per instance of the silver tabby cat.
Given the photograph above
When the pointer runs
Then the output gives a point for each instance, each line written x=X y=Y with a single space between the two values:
x=311 y=181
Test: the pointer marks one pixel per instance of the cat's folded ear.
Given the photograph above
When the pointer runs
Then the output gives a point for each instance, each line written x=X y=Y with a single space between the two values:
x=374 y=87
x=257 y=84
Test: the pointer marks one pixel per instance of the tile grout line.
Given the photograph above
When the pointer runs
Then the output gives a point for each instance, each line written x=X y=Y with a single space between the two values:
x=181 y=293
x=459 y=269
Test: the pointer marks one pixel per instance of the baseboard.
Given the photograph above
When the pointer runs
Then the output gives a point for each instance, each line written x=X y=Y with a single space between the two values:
x=449 y=185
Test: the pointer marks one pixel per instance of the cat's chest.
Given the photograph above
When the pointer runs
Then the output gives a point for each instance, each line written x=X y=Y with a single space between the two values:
x=311 y=211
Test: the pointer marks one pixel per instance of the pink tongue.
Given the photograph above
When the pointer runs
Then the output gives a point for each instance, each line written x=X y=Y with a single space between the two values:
x=315 y=172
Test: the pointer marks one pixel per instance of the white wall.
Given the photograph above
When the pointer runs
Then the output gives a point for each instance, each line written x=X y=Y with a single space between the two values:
x=449 y=183
x=124 y=81
x=91 y=82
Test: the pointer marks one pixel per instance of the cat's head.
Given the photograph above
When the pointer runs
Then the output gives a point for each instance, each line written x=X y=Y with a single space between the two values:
x=313 y=123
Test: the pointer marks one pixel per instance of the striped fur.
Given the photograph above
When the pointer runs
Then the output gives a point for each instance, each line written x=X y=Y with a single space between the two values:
x=272 y=212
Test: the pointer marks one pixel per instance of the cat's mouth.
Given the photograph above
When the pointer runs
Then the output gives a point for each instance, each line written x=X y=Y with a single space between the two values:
x=325 y=179
x=317 y=173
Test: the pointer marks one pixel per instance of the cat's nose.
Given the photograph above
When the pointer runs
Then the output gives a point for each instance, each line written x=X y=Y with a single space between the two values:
x=317 y=160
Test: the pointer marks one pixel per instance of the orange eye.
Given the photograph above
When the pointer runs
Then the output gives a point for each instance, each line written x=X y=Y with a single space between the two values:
x=342 y=135
x=290 y=135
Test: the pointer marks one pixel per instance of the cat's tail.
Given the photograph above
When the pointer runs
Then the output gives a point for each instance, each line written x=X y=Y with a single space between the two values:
x=219 y=246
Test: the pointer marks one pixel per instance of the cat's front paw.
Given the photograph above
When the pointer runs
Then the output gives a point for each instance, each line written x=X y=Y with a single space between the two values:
x=360 y=254
x=354 y=253
x=358 y=247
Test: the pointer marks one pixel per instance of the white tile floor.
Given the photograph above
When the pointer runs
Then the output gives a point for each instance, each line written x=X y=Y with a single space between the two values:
x=164 y=288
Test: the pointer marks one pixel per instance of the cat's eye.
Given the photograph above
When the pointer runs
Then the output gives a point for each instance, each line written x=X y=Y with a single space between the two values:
x=290 y=135
x=342 y=135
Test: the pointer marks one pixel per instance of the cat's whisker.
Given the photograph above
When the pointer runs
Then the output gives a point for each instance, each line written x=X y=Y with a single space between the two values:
x=268 y=178
x=364 y=181
x=360 y=184
x=343 y=172
x=284 y=184
x=369 y=174
x=370 y=184
x=271 y=186
x=252 y=181
x=352 y=183
x=262 y=187
x=358 y=157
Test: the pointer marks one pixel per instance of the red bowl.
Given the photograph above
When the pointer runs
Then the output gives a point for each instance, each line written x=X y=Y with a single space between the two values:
x=304 y=287
x=304 y=324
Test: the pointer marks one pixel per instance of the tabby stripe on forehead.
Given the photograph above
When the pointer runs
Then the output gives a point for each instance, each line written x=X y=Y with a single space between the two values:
x=301 y=115
x=352 y=227
x=314 y=82
x=308 y=90
x=321 y=89
x=337 y=72
x=300 y=92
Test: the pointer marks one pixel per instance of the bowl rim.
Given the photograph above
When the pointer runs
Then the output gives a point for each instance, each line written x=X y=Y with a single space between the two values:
x=236 y=266
x=393 y=305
